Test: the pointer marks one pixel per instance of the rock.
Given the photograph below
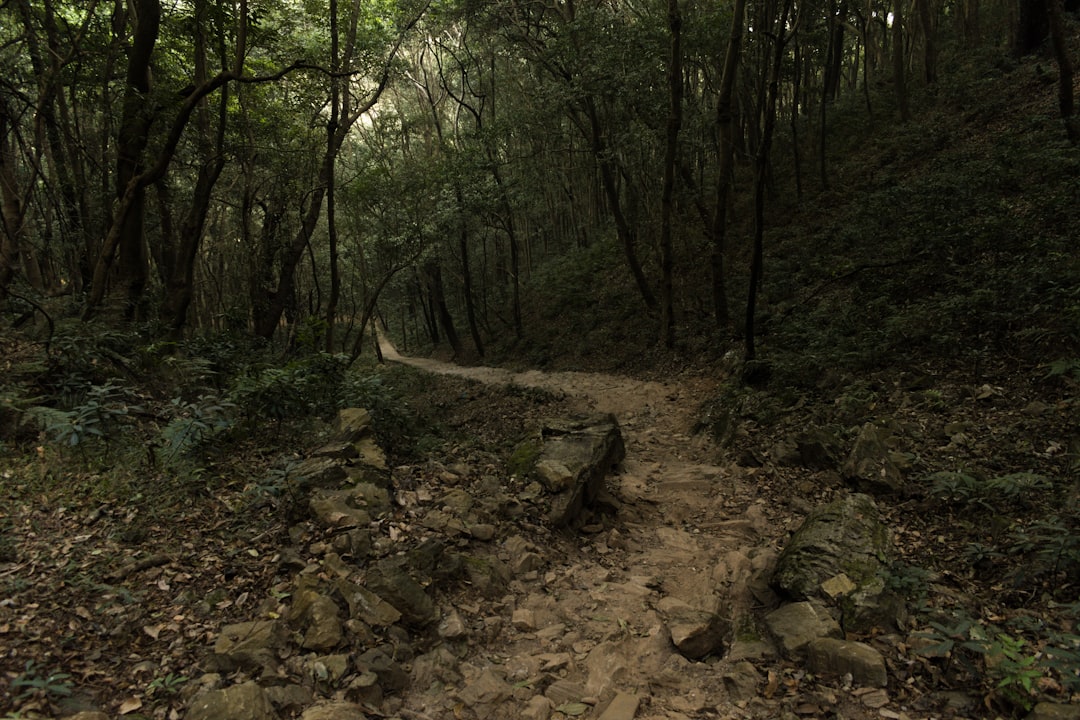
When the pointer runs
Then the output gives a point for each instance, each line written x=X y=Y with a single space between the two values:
x=365 y=688
x=818 y=449
x=869 y=467
x=845 y=537
x=371 y=455
x=390 y=581
x=353 y=424
x=337 y=450
x=436 y=668
x=391 y=676
x=1054 y=711
x=488 y=575
x=523 y=620
x=431 y=560
x=575 y=458
x=459 y=501
x=289 y=697
x=483 y=532
x=561 y=692
x=335 y=509
x=366 y=606
x=696 y=633
x=335 y=711
x=327 y=669
x=741 y=681
x=246 y=701
x=795 y=625
x=88 y=715
x=538 y=708
x=250 y=646
x=319 y=472
x=354 y=543
x=786 y=453
x=452 y=626
x=317 y=615
x=554 y=476
x=486 y=692
x=838 y=586
x=623 y=707
x=521 y=556
x=751 y=650
x=839 y=657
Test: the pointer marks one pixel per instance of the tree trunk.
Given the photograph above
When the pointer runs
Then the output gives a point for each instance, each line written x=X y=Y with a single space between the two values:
x=439 y=307
x=926 y=21
x=1065 y=69
x=726 y=128
x=466 y=276
x=898 y=61
x=180 y=264
x=11 y=208
x=760 y=165
x=132 y=138
x=627 y=236
x=331 y=185
x=1032 y=28
x=275 y=302
x=674 y=122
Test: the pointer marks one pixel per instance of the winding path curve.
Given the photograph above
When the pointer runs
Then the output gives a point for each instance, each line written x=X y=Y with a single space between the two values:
x=690 y=533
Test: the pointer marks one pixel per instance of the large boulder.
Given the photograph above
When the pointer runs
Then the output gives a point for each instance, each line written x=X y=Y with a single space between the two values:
x=840 y=558
x=576 y=456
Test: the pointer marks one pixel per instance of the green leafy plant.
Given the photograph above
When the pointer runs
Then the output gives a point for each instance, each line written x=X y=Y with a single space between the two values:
x=954 y=487
x=1009 y=664
x=1050 y=548
x=1016 y=662
x=1064 y=368
x=169 y=684
x=194 y=424
x=910 y=581
x=99 y=413
x=1017 y=486
x=36 y=683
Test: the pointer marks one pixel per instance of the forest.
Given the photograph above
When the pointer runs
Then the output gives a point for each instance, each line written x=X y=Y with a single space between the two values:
x=791 y=220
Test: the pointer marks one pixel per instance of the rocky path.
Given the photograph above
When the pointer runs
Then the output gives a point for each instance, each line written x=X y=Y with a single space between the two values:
x=594 y=631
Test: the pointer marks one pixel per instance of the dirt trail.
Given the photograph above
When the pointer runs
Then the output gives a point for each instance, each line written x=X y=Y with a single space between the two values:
x=603 y=610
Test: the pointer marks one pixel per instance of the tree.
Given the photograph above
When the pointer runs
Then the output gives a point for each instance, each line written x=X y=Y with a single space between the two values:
x=674 y=123
x=725 y=130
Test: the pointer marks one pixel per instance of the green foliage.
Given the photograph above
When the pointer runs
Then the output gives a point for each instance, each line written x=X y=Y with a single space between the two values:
x=101 y=410
x=523 y=459
x=38 y=683
x=1010 y=665
x=1004 y=492
x=1008 y=661
x=194 y=424
x=1049 y=548
x=909 y=581
x=953 y=487
x=304 y=387
x=1064 y=367
x=169 y=684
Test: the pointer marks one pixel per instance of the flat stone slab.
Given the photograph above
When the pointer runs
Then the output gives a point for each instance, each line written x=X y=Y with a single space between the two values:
x=840 y=657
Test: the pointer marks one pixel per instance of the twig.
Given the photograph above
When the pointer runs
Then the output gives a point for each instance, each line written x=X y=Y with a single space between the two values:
x=138 y=566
